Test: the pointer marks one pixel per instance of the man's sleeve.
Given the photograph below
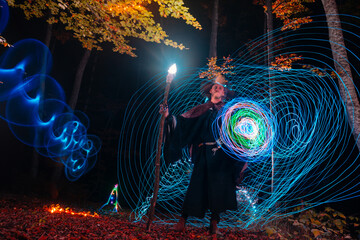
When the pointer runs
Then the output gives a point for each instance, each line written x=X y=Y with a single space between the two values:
x=180 y=132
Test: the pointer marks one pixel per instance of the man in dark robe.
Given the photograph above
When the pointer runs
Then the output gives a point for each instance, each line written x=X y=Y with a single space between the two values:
x=213 y=180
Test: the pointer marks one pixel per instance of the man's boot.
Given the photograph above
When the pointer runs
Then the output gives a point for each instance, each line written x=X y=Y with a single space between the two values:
x=180 y=226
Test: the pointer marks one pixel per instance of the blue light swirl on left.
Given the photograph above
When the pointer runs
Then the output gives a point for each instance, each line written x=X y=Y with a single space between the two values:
x=4 y=15
x=33 y=105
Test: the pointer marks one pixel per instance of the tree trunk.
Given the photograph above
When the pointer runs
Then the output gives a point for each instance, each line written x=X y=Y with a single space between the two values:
x=91 y=83
x=36 y=157
x=72 y=103
x=214 y=30
x=78 y=78
x=269 y=30
x=342 y=67
x=48 y=35
x=270 y=56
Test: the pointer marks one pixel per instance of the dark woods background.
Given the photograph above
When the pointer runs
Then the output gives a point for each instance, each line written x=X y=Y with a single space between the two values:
x=109 y=81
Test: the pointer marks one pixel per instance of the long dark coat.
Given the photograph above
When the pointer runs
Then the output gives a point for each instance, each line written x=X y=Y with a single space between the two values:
x=212 y=185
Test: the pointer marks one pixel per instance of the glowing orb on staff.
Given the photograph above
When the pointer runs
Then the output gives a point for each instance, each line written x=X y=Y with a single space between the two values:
x=246 y=128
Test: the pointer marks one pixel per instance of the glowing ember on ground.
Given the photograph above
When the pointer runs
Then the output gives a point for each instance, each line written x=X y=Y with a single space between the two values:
x=57 y=209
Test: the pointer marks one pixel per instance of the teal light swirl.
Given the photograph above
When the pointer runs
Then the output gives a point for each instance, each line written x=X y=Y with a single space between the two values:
x=246 y=129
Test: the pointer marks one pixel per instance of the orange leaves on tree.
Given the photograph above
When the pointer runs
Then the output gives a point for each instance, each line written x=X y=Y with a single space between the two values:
x=176 y=9
x=289 y=11
x=295 y=23
x=93 y=22
x=4 y=42
x=284 y=62
x=322 y=72
x=315 y=70
x=214 y=70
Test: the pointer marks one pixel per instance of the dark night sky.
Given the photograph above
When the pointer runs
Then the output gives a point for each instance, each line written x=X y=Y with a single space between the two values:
x=109 y=81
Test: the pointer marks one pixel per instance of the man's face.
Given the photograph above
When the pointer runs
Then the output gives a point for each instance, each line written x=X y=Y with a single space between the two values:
x=217 y=92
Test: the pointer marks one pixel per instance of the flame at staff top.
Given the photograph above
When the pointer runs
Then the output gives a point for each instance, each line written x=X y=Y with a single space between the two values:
x=172 y=69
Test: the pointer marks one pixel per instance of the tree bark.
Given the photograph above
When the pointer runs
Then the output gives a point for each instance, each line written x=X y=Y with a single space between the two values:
x=36 y=157
x=269 y=30
x=48 y=35
x=91 y=82
x=72 y=103
x=270 y=56
x=342 y=67
x=214 y=29
x=78 y=78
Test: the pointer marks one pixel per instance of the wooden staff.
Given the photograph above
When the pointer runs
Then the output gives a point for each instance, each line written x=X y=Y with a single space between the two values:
x=169 y=78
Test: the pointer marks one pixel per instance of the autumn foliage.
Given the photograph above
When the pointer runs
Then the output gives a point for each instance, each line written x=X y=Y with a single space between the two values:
x=94 y=22
x=292 y=13
x=4 y=42
x=31 y=218
x=214 y=70
x=285 y=61
x=289 y=12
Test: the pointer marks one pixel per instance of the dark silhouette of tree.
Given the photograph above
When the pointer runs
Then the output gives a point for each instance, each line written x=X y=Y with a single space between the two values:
x=342 y=67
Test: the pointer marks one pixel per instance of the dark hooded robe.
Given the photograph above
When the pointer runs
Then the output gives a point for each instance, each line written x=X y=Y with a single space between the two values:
x=213 y=180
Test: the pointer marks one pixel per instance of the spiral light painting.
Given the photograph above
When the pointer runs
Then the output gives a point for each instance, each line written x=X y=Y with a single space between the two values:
x=290 y=124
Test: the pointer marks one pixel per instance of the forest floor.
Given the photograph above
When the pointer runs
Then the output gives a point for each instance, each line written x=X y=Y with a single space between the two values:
x=31 y=218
